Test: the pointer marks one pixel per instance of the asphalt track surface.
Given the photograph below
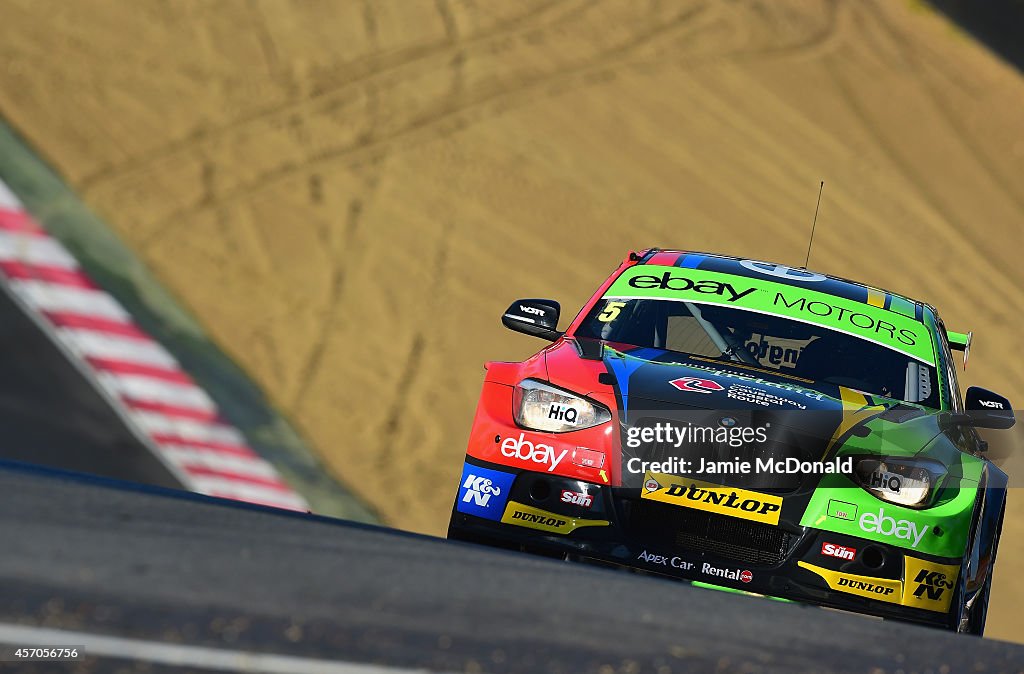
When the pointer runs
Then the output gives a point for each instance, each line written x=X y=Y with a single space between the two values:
x=51 y=415
x=157 y=580
x=105 y=558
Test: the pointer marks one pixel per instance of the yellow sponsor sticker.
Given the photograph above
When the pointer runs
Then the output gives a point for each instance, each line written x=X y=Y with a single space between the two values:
x=690 y=493
x=928 y=585
x=882 y=589
x=534 y=518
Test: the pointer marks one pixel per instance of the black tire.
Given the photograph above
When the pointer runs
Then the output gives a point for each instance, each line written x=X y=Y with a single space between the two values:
x=974 y=620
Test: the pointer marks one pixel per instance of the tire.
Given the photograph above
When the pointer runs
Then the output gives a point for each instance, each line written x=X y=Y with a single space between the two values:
x=979 y=610
x=971 y=620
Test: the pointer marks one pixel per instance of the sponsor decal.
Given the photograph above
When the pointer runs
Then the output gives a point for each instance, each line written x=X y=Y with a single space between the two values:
x=531 y=310
x=865 y=586
x=776 y=352
x=881 y=589
x=538 y=452
x=664 y=560
x=760 y=381
x=771 y=296
x=846 y=318
x=885 y=481
x=925 y=584
x=688 y=493
x=841 y=510
x=523 y=515
x=743 y=575
x=781 y=271
x=751 y=394
x=564 y=413
x=577 y=498
x=483 y=492
x=882 y=524
x=928 y=585
x=587 y=458
x=838 y=551
x=669 y=281
x=696 y=385
x=751 y=368
x=991 y=403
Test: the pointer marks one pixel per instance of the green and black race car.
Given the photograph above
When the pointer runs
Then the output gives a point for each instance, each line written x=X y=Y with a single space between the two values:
x=745 y=425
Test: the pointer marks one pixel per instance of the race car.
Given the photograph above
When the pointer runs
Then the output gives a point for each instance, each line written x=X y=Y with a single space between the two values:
x=749 y=426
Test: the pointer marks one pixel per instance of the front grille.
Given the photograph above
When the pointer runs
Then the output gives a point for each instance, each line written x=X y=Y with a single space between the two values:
x=690 y=529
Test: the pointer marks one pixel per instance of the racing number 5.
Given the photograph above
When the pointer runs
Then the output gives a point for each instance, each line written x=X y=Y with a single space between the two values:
x=611 y=312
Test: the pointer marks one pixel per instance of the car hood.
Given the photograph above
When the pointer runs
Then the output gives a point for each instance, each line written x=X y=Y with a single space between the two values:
x=804 y=419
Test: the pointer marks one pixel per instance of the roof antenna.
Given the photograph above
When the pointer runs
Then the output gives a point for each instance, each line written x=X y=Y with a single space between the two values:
x=813 y=223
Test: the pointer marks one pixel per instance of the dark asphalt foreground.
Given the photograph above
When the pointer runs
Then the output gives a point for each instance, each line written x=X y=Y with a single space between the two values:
x=103 y=558
x=52 y=416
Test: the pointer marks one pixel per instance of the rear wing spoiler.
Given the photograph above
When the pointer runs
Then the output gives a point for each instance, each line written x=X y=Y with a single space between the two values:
x=960 y=341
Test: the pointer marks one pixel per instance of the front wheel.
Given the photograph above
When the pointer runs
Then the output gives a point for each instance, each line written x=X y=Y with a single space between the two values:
x=974 y=609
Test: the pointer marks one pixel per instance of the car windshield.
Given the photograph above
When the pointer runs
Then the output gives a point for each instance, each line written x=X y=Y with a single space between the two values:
x=787 y=346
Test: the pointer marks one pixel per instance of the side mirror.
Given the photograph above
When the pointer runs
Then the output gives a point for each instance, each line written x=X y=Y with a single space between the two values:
x=987 y=409
x=533 y=317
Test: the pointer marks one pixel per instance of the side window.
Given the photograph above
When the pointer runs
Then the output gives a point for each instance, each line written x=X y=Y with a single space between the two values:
x=948 y=367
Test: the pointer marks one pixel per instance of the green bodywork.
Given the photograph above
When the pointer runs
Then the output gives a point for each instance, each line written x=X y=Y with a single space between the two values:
x=838 y=504
x=958 y=340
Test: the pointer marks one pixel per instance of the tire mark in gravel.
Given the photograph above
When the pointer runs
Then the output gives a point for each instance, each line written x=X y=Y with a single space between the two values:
x=267 y=46
x=367 y=143
x=451 y=29
x=447 y=20
x=339 y=259
x=404 y=384
x=816 y=44
x=356 y=212
x=327 y=103
x=351 y=75
x=310 y=369
x=397 y=410
x=432 y=121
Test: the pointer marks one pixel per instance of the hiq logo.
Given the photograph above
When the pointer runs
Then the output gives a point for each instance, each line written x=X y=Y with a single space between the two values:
x=483 y=492
x=561 y=412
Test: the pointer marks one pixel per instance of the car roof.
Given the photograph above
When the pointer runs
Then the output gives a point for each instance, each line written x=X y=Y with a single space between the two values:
x=794 y=276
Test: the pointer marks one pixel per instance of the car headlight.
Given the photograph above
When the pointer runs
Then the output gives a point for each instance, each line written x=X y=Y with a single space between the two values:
x=542 y=407
x=906 y=482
